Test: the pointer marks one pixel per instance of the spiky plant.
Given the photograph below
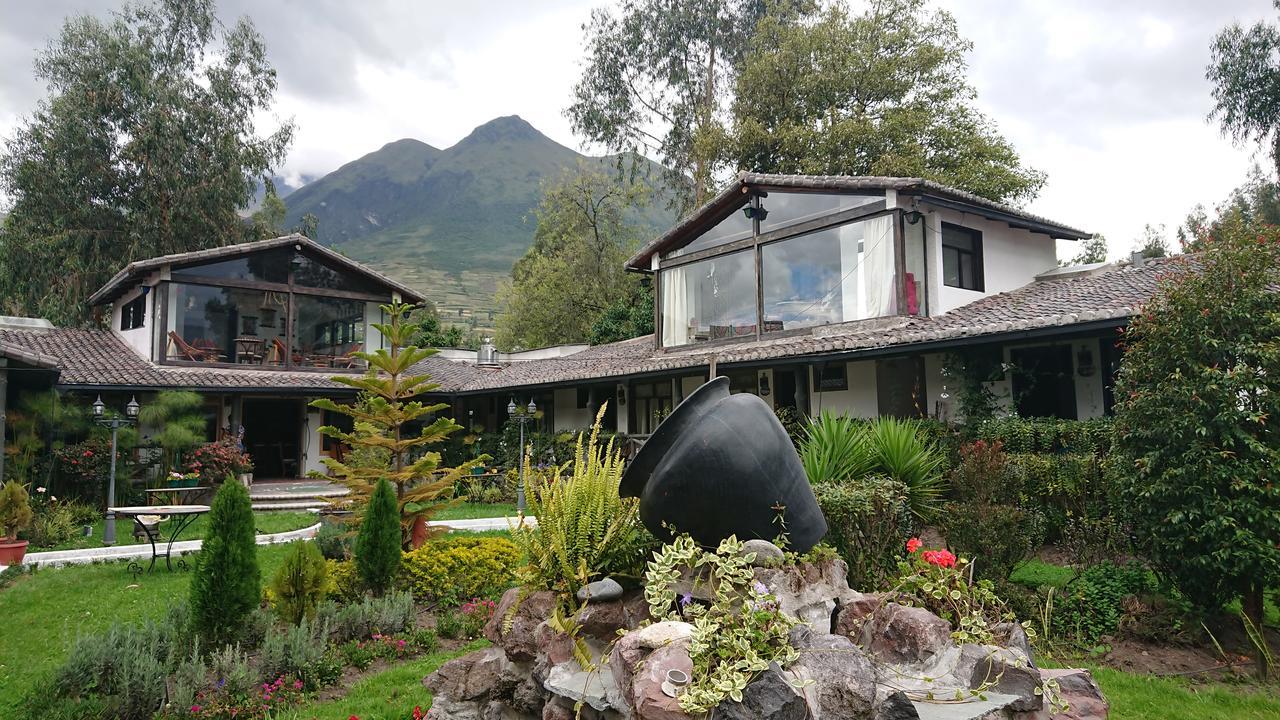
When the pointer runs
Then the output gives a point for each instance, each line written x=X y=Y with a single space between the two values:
x=585 y=531
x=836 y=449
x=903 y=453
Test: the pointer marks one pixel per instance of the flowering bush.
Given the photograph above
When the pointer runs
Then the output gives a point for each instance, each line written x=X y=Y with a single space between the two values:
x=361 y=653
x=475 y=614
x=84 y=467
x=217 y=703
x=939 y=582
x=214 y=462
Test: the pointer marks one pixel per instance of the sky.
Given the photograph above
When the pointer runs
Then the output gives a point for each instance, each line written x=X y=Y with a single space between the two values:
x=1108 y=98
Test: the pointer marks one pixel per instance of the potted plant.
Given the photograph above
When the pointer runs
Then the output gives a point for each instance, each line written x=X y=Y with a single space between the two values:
x=15 y=516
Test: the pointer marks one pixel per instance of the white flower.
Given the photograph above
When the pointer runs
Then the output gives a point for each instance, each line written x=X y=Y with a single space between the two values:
x=53 y=498
x=40 y=489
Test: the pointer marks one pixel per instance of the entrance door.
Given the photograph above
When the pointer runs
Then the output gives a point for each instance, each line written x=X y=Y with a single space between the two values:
x=272 y=436
x=1044 y=382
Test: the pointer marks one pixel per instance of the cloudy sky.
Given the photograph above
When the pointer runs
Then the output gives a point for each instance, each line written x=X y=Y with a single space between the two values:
x=1107 y=97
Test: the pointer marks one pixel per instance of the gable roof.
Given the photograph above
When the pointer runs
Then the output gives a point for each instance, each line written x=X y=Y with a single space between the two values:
x=927 y=190
x=136 y=270
x=32 y=358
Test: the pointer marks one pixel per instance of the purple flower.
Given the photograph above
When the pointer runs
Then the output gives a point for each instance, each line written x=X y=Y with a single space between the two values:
x=686 y=599
x=760 y=588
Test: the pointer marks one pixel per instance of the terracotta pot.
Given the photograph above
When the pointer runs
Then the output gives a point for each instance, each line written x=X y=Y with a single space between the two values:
x=418 y=532
x=12 y=551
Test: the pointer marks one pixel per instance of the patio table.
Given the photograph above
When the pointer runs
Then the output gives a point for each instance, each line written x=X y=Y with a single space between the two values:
x=184 y=515
x=175 y=495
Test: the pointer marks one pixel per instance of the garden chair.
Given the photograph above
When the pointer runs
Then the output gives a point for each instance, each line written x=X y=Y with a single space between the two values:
x=188 y=351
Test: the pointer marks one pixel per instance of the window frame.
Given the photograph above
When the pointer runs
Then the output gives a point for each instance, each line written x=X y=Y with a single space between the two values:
x=822 y=384
x=133 y=314
x=979 y=271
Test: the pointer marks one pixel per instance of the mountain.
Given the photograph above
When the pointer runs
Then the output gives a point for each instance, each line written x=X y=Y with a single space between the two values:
x=450 y=222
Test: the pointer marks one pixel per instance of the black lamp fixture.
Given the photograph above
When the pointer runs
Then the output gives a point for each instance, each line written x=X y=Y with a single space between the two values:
x=622 y=394
x=114 y=423
x=755 y=212
x=913 y=217
x=1084 y=362
x=764 y=385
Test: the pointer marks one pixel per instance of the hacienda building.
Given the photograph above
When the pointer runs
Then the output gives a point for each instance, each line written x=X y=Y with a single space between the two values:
x=842 y=294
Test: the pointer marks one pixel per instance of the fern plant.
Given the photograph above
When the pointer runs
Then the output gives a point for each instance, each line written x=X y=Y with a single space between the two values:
x=585 y=530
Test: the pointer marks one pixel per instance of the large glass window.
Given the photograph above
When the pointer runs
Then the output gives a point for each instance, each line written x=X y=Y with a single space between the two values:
x=327 y=330
x=737 y=226
x=269 y=266
x=709 y=300
x=790 y=208
x=309 y=272
x=835 y=275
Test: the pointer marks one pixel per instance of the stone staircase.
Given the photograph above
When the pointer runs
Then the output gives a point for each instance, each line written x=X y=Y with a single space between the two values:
x=294 y=495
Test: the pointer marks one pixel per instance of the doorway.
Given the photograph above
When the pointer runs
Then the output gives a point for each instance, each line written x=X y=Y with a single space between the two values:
x=273 y=435
x=1044 y=382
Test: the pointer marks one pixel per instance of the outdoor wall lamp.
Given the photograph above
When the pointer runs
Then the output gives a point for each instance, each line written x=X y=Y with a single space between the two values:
x=115 y=423
x=1084 y=362
x=755 y=212
x=764 y=386
x=622 y=394
x=913 y=217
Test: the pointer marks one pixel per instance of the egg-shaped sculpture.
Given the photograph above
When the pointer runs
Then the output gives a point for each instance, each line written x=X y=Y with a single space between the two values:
x=721 y=465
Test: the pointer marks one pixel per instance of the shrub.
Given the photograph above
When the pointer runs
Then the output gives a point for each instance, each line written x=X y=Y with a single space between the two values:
x=584 y=530
x=125 y=668
x=452 y=569
x=997 y=538
x=836 y=449
x=984 y=474
x=867 y=523
x=334 y=539
x=475 y=614
x=1046 y=435
x=378 y=544
x=225 y=587
x=216 y=461
x=300 y=582
x=15 y=509
x=1093 y=605
x=939 y=582
x=344 y=580
x=449 y=624
x=301 y=651
x=82 y=469
x=392 y=613
x=53 y=523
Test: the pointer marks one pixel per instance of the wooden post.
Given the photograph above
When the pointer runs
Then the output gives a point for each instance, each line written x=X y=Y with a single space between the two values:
x=4 y=399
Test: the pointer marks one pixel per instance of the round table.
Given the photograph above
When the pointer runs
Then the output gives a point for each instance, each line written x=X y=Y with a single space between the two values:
x=184 y=514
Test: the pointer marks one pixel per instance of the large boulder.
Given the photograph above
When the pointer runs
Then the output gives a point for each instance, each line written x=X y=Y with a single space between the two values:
x=842 y=681
x=664 y=633
x=904 y=634
x=809 y=591
x=997 y=671
x=769 y=697
x=1078 y=690
x=896 y=706
x=852 y=610
x=595 y=688
x=525 y=615
x=646 y=697
x=603 y=619
x=483 y=685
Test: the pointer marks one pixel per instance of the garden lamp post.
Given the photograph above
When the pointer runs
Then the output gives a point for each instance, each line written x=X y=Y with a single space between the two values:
x=115 y=422
x=522 y=418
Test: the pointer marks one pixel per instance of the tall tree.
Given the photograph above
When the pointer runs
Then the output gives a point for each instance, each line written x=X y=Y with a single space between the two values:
x=878 y=93
x=573 y=272
x=1094 y=250
x=1255 y=202
x=659 y=78
x=1152 y=243
x=145 y=145
x=1244 y=68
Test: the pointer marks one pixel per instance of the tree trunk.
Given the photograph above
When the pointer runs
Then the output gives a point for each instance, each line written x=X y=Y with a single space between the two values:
x=1253 y=610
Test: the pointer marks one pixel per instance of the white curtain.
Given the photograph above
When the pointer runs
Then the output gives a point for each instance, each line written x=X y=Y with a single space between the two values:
x=675 y=306
x=877 y=267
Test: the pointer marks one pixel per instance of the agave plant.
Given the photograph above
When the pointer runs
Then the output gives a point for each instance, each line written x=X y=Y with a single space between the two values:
x=836 y=449
x=903 y=453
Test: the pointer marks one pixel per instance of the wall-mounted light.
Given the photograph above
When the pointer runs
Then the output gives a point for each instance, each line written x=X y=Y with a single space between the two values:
x=1084 y=362
x=764 y=385
x=914 y=217
x=622 y=394
x=755 y=212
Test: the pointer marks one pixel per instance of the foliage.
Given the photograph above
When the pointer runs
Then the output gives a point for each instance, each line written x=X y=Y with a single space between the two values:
x=39 y=424
x=225 y=583
x=628 y=317
x=1045 y=435
x=390 y=614
x=1093 y=250
x=968 y=376
x=1256 y=202
x=1093 y=605
x=997 y=537
x=177 y=421
x=451 y=569
x=55 y=521
x=658 y=79
x=257 y=703
x=430 y=332
x=377 y=547
x=146 y=145
x=794 y=422
x=82 y=469
x=216 y=461
x=333 y=539
x=1195 y=445
x=300 y=651
x=344 y=580
x=299 y=583
x=15 y=509
x=843 y=449
x=737 y=636
x=939 y=582
x=1152 y=243
x=360 y=654
x=867 y=522
x=883 y=92
x=381 y=420
x=1244 y=71
x=573 y=273
x=468 y=621
x=585 y=530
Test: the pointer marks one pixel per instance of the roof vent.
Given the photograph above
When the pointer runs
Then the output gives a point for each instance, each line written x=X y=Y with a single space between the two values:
x=1137 y=259
x=487 y=355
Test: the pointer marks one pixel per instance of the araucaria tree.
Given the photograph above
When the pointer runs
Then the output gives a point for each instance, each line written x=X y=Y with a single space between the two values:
x=1197 y=441
x=380 y=423
x=145 y=145
x=226 y=585
x=883 y=92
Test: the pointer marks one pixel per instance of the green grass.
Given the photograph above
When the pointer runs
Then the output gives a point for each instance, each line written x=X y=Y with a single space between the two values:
x=469 y=511
x=1035 y=573
x=1135 y=697
x=390 y=694
x=264 y=522
x=44 y=613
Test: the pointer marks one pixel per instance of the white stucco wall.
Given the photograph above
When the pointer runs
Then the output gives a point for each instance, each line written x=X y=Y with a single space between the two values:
x=859 y=400
x=312 y=443
x=139 y=339
x=568 y=416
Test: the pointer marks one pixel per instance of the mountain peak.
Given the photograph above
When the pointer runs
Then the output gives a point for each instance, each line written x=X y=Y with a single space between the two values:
x=507 y=127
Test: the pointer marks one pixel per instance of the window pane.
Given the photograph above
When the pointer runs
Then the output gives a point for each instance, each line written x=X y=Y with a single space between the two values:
x=224 y=324
x=310 y=272
x=270 y=266
x=957 y=238
x=900 y=389
x=789 y=208
x=950 y=267
x=709 y=300
x=327 y=331
x=734 y=227
x=967 y=277
x=834 y=275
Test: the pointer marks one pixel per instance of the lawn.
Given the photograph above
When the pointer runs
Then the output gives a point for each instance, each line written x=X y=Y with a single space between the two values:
x=45 y=611
x=390 y=694
x=264 y=523
x=1036 y=573
x=1139 y=697
x=471 y=511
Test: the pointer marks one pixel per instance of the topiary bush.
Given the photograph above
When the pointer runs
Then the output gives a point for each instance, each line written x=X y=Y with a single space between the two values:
x=226 y=584
x=868 y=522
x=378 y=544
x=300 y=583
x=454 y=569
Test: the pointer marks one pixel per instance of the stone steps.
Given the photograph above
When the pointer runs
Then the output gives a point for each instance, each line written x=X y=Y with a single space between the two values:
x=290 y=505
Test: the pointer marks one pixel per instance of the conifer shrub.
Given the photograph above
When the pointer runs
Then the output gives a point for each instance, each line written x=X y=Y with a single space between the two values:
x=226 y=585
x=455 y=569
x=378 y=544
x=300 y=583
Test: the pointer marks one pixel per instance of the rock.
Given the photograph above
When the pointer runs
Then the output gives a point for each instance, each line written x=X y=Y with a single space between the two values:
x=768 y=697
x=623 y=660
x=1012 y=635
x=664 y=633
x=603 y=620
x=994 y=707
x=518 y=642
x=569 y=680
x=475 y=676
x=896 y=707
x=646 y=696
x=808 y=591
x=1077 y=688
x=1008 y=672
x=844 y=680
x=852 y=610
x=552 y=644
x=558 y=709
x=767 y=554
x=600 y=590
x=902 y=634
x=1004 y=671
x=496 y=710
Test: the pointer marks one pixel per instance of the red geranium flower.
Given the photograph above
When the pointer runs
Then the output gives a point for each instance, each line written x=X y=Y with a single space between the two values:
x=913 y=545
x=941 y=558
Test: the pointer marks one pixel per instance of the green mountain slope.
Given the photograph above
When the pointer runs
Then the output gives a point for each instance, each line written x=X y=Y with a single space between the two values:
x=449 y=222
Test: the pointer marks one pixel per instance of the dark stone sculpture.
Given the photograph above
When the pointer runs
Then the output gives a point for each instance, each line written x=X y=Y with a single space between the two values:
x=722 y=465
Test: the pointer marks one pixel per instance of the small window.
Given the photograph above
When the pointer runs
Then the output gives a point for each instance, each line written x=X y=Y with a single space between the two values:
x=134 y=313
x=961 y=257
x=831 y=376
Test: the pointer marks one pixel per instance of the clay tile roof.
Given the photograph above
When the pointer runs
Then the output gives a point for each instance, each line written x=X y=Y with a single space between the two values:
x=137 y=269
x=34 y=358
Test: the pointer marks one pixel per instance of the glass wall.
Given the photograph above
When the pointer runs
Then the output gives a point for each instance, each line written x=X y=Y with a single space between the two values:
x=709 y=299
x=830 y=276
x=327 y=330
x=785 y=209
x=268 y=266
x=737 y=226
